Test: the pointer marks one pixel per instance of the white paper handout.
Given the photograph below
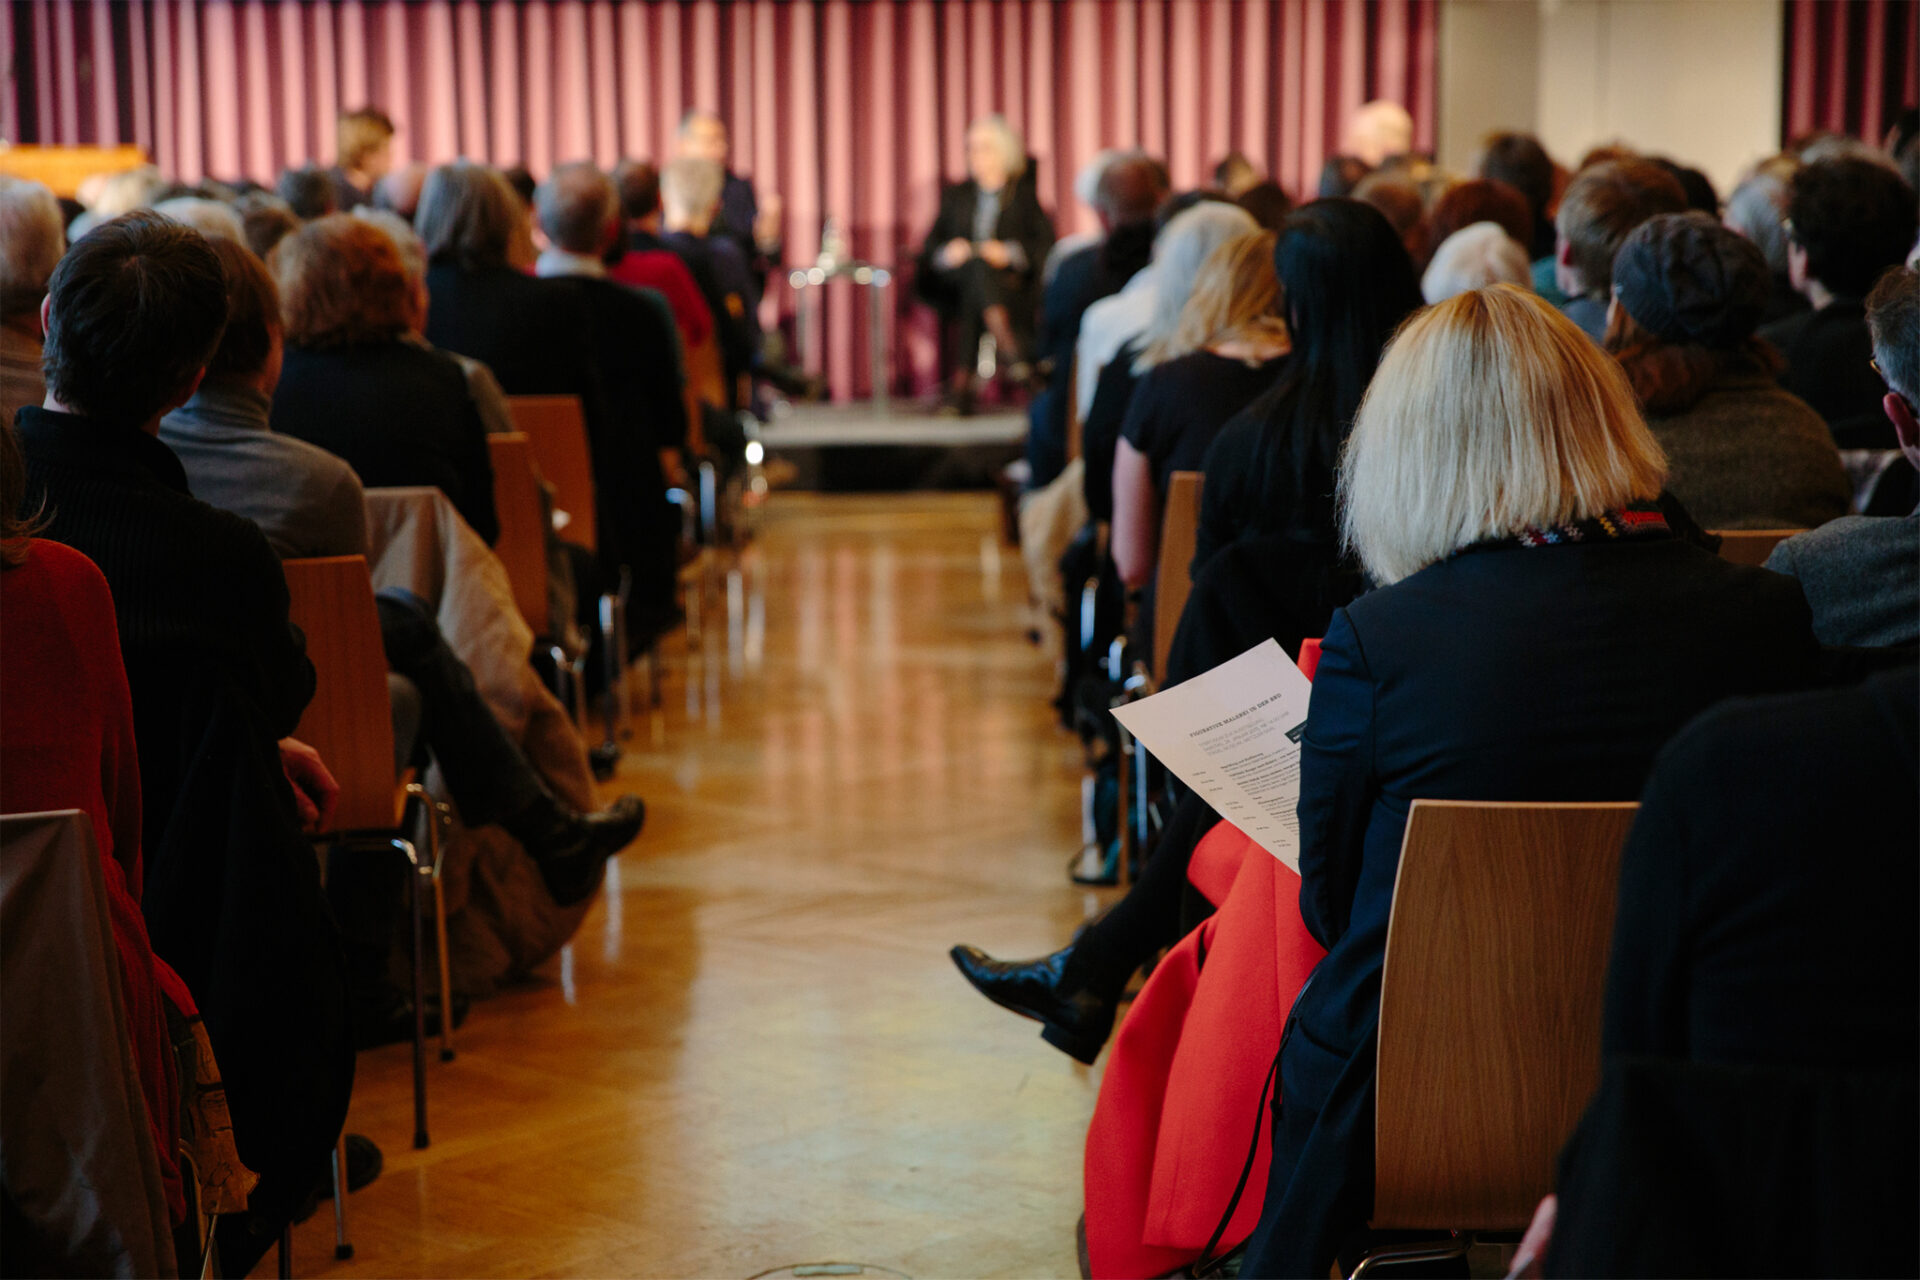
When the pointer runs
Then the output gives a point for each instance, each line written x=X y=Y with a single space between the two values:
x=1233 y=735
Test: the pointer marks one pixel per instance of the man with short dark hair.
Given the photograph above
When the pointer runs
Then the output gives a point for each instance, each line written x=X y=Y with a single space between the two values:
x=1599 y=210
x=1519 y=160
x=1848 y=220
x=1861 y=574
x=133 y=315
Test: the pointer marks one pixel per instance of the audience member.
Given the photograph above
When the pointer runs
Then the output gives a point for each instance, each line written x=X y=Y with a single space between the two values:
x=1179 y=251
x=1268 y=202
x=1475 y=257
x=1757 y=209
x=980 y=264
x=109 y=195
x=306 y=501
x=1224 y=349
x=1861 y=574
x=1743 y=453
x=218 y=674
x=754 y=229
x=1766 y=918
x=1347 y=283
x=265 y=220
x=1600 y=209
x=1235 y=175
x=1697 y=187
x=31 y=242
x=1519 y=160
x=1479 y=200
x=638 y=352
x=1130 y=188
x=399 y=190
x=1395 y=195
x=353 y=384
x=1499 y=486
x=363 y=149
x=1086 y=186
x=210 y=218
x=1340 y=175
x=1848 y=220
x=644 y=260
x=309 y=192
x=690 y=192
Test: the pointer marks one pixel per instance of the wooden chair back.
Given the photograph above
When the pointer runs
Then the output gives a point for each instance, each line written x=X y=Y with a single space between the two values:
x=350 y=720
x=1076 y=429
x=706 y=385
x=1751 y=546
x=522 y=547
x=556 y=430
x=1490 y=1006
x=1173 y=581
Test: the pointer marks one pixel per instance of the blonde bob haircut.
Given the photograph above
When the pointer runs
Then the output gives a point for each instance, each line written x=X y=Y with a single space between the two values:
x=1235 y=297
x=1490 y=413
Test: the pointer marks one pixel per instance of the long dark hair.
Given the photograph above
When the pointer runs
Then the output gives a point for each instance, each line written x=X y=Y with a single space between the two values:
x=1349 y=284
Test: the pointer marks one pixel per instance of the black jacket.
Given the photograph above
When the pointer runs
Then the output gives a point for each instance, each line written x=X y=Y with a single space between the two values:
x=1022 y=221
x=194 y=588
x=1827 y=353
x=1502 y=673
x=399 y=414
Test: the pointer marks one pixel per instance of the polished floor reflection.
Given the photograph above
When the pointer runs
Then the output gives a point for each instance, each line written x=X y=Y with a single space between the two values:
x=756 y=1052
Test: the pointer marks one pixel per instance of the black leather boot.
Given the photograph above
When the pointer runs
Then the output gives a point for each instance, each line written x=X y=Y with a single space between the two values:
x=570 y=848
x=1073 y=1019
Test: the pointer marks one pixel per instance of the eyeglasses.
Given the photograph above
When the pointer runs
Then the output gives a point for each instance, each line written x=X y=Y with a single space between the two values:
x=1874 y=364
x=1786 y=225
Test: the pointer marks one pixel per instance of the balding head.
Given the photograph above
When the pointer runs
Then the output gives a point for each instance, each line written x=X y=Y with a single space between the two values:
x=1379 y=131
x=690 y=193
x=1130 y=189
x=577 y=206
x=703 y=136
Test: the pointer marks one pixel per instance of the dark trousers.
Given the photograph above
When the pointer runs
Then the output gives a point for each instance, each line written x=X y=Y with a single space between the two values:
x=975 y=286
x=1156 y=912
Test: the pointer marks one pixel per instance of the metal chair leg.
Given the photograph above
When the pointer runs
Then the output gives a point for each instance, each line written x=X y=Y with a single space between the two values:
x=342 y=1250
x=1427 y=1251
x=422 y=880
x=285 y=1268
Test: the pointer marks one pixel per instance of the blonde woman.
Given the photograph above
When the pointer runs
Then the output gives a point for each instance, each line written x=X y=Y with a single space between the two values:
x=1538 y=633
x=1224 y=349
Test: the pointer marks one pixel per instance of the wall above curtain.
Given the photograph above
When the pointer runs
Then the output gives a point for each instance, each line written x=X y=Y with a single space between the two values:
x=854 y=110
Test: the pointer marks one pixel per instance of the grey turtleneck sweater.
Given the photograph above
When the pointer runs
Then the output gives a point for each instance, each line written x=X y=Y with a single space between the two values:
x=307 y=501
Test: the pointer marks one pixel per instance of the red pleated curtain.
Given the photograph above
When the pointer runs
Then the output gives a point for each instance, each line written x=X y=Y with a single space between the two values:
x=851 y=110
x=1851 y=65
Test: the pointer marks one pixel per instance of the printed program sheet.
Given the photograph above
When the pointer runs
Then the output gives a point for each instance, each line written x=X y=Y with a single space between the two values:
x=1233 y=735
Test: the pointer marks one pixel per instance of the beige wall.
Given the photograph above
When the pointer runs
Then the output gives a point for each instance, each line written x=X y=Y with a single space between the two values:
x=1697 y=80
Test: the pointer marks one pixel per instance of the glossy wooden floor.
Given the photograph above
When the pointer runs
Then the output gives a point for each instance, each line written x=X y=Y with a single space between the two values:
x=756 y=1052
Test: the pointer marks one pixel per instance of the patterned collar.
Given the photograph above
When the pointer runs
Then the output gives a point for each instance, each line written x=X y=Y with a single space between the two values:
x=1635 y=523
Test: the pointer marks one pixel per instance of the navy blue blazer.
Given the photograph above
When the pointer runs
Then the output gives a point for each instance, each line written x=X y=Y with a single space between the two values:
x=1502 y=673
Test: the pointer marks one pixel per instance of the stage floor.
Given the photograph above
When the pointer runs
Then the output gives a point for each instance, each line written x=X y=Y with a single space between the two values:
x=855 y=447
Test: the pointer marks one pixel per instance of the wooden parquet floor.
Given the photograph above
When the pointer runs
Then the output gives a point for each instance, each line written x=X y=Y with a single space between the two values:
x=756 y=1052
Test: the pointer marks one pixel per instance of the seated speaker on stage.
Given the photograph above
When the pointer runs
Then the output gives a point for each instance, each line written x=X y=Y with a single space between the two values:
x=980 y=265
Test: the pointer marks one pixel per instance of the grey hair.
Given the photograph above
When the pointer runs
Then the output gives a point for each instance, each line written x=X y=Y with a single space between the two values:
x=1893 y=317
x=1179 y=251
x=691 y=185
x=575 y=205
x=1013 y=148
x=1472 y=258
x=468 y=214
x=32 y=239
x=1757 y=209
x=209 y=217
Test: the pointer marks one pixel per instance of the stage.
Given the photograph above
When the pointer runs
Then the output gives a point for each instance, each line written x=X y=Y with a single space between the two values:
x=845 y=448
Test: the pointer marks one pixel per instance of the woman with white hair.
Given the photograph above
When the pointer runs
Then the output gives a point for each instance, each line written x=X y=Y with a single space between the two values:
x=1538 y=633
x=980 y=265
x=1475 y=257
x=32 y=241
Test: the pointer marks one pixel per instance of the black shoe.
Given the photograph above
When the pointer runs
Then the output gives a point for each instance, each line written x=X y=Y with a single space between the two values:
x=1077 y=1023
x=572 y=868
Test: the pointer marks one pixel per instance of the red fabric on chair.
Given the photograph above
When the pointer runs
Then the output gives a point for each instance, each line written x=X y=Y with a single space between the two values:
x=1187 y=1070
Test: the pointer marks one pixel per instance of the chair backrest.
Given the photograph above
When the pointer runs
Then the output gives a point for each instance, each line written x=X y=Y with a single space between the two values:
x=522 y=546
x=1490 y=1006
x=1173 y=581
x=556 y=429
x=706 y=386
x=1751 y=546
x=350 y=720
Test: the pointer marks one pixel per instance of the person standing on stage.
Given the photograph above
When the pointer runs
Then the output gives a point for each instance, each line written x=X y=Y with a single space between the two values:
x=742 y=218
x=980 y=266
